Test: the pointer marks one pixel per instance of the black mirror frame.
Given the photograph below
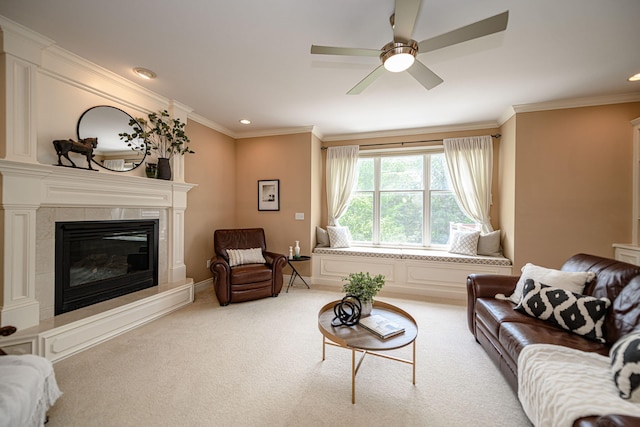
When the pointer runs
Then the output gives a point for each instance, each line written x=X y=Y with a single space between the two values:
x=125 y=146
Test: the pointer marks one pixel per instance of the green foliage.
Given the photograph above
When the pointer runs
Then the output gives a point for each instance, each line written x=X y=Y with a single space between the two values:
x=160 y=134
x=363 y=286
x=401 y=201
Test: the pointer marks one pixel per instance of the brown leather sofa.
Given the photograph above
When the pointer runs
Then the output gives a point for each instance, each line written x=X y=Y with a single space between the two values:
x=503 y=332
x=247 y=281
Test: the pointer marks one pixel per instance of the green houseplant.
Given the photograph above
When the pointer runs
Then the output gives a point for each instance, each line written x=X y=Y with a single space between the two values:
x=160 y=134
x=365 y=287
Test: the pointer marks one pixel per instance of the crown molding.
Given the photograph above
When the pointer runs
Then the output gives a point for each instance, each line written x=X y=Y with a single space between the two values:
x=276 y=132
x=211 y=124
x=578 y=102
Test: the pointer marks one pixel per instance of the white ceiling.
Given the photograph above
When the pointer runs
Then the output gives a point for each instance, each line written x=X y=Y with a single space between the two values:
x=250 y=58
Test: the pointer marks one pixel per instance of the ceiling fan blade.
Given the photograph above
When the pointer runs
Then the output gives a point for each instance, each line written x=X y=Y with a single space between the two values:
x=482 y=28
x=349 y=51
x=424 y=75
x=364 y=83
x=404 y=19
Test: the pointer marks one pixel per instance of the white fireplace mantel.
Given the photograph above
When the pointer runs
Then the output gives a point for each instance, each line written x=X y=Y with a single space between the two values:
x=26 y=187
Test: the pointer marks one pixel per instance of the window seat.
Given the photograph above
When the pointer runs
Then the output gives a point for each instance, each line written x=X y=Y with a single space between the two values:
x=408 y=272
x=416 y=254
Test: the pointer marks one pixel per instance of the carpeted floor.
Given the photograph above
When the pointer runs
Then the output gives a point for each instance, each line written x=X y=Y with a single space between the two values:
x=260 y=364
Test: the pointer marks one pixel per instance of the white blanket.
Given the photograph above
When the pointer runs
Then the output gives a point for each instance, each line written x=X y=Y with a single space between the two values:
x=557 y=385
x=28 y=388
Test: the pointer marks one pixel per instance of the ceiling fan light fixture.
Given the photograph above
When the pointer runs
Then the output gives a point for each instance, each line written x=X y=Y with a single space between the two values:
x=398 y=56
x=634 y=78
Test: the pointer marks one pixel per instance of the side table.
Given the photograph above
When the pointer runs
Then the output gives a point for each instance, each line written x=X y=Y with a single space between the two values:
x=294 y=272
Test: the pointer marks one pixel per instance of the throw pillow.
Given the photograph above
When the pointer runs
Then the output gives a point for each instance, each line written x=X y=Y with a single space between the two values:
x=489 y=244
x=569 y=280
x=322 y=238
x=339 y=237
x=465 y=242
x=625 y=365
x=245 y=256
x=580 y=314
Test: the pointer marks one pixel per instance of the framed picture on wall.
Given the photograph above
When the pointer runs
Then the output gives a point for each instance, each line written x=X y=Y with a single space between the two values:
x=269 y=195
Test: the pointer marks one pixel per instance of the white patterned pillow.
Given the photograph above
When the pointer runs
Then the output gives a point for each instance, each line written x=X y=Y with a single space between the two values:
x=625 y=365
x=465 y=242
x=580 y=314
x=573 y=281
x=339 y=237
x=245 y=256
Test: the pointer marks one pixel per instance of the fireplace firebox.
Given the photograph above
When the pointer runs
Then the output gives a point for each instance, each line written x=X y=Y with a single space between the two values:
x=99 y=260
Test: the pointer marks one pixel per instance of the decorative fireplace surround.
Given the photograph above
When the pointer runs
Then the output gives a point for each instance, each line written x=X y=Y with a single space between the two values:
x=34 y=197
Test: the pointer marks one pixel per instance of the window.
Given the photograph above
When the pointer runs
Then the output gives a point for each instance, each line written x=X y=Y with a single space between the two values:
x=402 y=200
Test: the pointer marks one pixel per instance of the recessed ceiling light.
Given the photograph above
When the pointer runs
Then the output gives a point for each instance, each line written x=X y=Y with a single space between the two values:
x=245 y=121
x=634 y=78
x=145 y=73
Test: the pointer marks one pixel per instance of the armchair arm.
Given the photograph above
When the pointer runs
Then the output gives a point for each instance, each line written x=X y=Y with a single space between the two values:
x=277 y=262
x=5 y=331
x=221 y=279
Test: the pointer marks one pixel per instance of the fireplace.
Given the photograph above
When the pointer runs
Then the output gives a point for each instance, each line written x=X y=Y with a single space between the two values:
x=99 y=260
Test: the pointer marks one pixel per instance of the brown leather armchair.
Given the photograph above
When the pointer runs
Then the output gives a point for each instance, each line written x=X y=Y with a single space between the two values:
x=245 y=282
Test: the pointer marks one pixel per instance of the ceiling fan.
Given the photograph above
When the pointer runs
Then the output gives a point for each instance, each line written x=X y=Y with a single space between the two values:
x=399 y=55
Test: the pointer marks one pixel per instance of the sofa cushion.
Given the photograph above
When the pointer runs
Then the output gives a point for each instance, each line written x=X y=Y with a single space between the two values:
x=569 y=280
x=625 y=365
x=581 y=314
x=245 y=256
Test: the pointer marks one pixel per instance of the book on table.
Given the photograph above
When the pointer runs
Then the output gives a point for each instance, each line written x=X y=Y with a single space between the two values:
x=380 y=326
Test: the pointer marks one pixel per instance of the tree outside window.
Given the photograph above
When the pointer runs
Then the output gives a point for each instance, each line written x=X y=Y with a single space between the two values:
x=402 y=200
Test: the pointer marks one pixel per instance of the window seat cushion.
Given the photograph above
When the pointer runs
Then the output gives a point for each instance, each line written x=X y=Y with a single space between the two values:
x=414 y=254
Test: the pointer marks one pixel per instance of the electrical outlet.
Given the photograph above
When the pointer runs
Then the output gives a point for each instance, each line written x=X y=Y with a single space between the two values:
x=208 y=263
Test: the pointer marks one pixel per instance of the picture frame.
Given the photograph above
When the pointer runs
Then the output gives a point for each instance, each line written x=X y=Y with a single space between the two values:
x=269 y=195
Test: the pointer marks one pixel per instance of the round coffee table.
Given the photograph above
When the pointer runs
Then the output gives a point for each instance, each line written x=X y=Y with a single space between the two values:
x=358 y=339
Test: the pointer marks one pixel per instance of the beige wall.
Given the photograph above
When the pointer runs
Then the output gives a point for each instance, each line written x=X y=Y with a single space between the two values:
x=288 y=158
x=212 y=204
x=562 y=185
x=507 y=186
x=572 y=182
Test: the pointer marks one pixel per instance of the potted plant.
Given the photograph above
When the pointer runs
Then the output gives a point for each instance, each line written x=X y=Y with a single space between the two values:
x=160 y=134
x=365 y=287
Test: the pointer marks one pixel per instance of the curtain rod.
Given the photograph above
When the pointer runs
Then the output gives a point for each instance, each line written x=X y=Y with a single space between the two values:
x=497 y=135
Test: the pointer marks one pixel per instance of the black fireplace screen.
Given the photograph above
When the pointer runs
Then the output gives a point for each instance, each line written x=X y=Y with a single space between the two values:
x=100 y=260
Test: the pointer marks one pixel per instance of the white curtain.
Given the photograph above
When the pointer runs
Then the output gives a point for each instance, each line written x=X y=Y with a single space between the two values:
x=470 y=164
x=342 y=177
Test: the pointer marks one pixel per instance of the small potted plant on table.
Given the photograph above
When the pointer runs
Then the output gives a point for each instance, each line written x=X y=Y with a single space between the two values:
x=365 y=287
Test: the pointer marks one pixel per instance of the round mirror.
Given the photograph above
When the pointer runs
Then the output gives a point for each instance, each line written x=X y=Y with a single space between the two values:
x=106 y=123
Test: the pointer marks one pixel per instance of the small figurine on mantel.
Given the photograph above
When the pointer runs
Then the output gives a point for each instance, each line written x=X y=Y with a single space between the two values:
x=83 y=146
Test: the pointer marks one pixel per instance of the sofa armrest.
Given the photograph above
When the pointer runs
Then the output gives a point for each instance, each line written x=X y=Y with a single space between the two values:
x=611 y=420
x=486 y=286
x=277 y=262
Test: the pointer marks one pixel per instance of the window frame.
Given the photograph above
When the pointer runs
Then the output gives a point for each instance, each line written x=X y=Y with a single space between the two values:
x=426 y=191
